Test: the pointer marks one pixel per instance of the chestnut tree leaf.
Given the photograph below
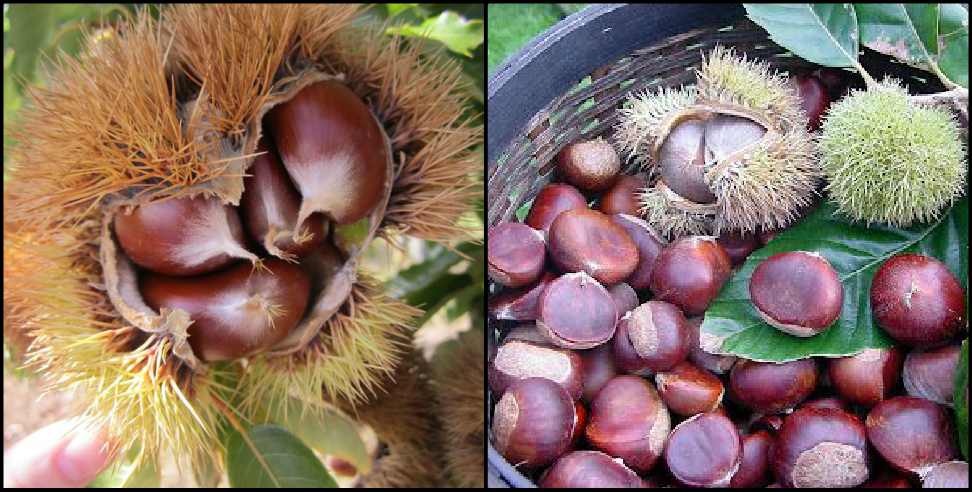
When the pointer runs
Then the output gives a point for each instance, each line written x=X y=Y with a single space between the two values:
x=953 y=35
x=271 y=457
x=825 y=34
x=329 y=432
x=961 y=399
x=459 y=34
x=733 y=326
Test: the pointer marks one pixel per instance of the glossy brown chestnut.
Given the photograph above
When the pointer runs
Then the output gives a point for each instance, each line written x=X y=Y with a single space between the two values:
x=930 y=374
x=827 y=402
x=580 y=424
x=689 y=273
x=591 y=165
x=912 y=434
x=598 y=369
x=590 y=469
x=821 y=447
x=660 y=335
x=334 y=150
x=704 y=451
x=584 y=240
x=518 y=359
x=867 y=377
x=625 y=298
x=798 y=292
x=515 y=254
x=577 y=312
x=688 y=390
x=622 y=198
x=917 y=300
x=269 y=208
x=626 y=359
x=681 y=161
x=533 y=422
x=754 y=470
x=236 y=312
x=550 y=202
x=182 y=236
x=768 y=387
x=629 y=421
x=527 y=332
x=649 y=245
x=949 y=475
x=714 y=363
x=813 y=98
x=519 y=304
x=738 y=246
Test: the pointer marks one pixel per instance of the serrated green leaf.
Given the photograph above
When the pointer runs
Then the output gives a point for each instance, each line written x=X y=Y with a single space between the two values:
x=457 y=33
x=271 y=457
x=825 y=34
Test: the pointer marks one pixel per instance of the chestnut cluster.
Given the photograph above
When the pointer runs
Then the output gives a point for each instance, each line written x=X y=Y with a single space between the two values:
x=599 y=379
x=239 y=272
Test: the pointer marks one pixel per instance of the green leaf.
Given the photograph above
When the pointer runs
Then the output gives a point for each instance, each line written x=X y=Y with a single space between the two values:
x=437 y=294
x=272 y=458
x=129 y=472
x=825 y=34
x=459 y=34
x=329 y=434
x=397 y=8
x=953 y=33
x=961 y=399
x=732 y=325
x=513 y=25
x=906 y=32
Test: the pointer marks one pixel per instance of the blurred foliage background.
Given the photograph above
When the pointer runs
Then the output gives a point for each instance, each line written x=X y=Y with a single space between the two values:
x=513 y=25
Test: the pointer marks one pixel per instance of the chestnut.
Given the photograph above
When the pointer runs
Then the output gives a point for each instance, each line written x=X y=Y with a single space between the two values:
x=704 y=451
x=550 y=202
x=714 y=363
x=584 y=240
x=769 y=423
x=689 y=273
x=814 y=98
x=867 y=377
x=772 y=387
x=625 y=298
x=577 y=312
x=797 y=292
x=515 y=254
x=629 y=421
x=688 y=390
x=659 y=333
x=519 y=304
x=827 y=402
x=518 y=359
x=580 y=423
x=930 y=374
x=912 y=434
x=622 y=198
x=821 y=447
x=626 y=359
x=591 y=165
x=681 y=160
x=533 y=422
x=598 y=369
x=589 y=469
x=334 y=150
x=948 y=475
x=738 y=246
x=182 y=236
x=754 y=469
x=235 y=312
x=917 y=300
x=527 y=332
x=649 y=245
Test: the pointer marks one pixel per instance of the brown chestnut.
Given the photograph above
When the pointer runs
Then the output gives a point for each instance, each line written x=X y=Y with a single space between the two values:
x=681 y=161
x=182 y=236
x=626 y=359
x=821 y=447
x=688 y=390
x=948 y=475
x=813 y=98
x=629 y=421
x=235 y=312
x=912 y=434
x=930 y=374
x=714 y=363
x=334 y=150
x=518 y=359
x=515 y=254
x=798 y=292
x=649 y=245
x=867 y=377
x=589 y=469
x=704 y=451
x=625 y=298
x=917 y=300
x=533 y=422
x=659 y=333
x=519 y=304
x=575 y=311
x=689 y=273
x=827 y=402
x=738 y=246
x=580 y=423
x=591 y=165
x=527 y=332
x=550 y=202
x=771 y=387
x=598 y=369
x=754 y=470
x=622 y=198
x=584 y=240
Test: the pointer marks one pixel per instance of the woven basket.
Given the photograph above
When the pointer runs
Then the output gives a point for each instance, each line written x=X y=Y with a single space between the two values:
x=521 y=147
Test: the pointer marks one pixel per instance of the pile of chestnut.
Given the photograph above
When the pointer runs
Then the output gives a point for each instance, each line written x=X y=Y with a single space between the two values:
x=595 y=388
